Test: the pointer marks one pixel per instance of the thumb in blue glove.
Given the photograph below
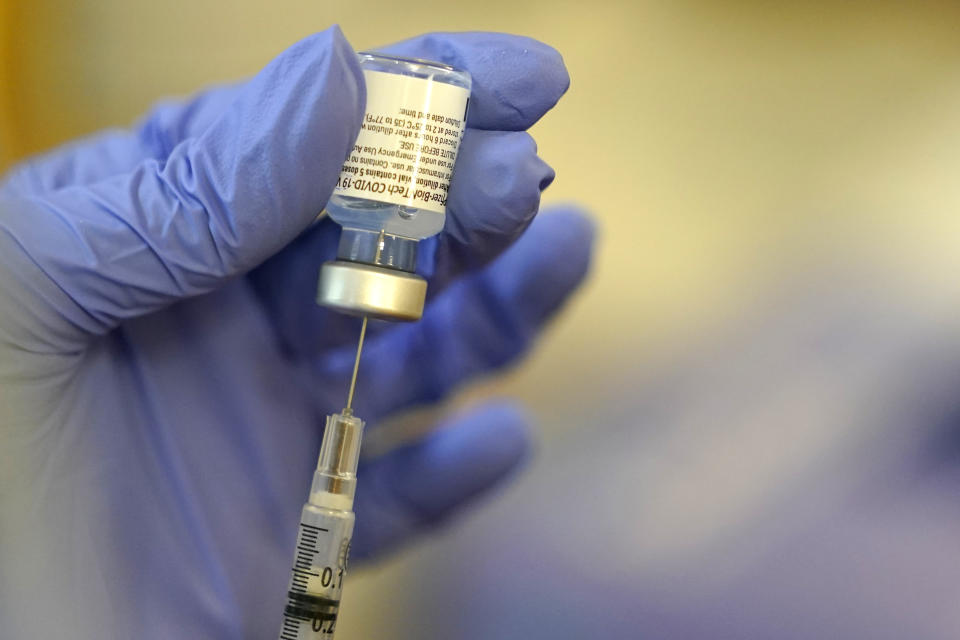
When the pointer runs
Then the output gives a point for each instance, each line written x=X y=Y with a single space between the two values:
x=178 y=226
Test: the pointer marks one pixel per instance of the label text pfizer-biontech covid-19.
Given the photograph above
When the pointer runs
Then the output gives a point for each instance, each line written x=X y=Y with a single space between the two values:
x=408 y=142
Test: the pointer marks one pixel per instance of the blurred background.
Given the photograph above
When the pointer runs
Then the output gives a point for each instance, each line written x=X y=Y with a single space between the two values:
x=750 y=418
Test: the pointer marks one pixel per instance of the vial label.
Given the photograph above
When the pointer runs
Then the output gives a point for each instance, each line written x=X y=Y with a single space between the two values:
x=408 y=142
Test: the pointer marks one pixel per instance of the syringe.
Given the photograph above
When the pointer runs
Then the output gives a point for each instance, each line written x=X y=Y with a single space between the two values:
x=326 y=525
x=374 y=275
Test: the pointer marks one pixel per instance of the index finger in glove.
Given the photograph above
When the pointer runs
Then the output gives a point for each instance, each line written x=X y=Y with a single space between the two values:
x=515 y=79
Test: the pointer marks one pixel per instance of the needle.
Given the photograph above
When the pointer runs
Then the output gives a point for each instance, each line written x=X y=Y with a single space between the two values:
x=363 y=332
x=356 y=367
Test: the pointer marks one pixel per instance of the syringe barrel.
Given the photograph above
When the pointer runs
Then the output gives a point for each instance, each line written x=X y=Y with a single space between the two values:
x=319 y=568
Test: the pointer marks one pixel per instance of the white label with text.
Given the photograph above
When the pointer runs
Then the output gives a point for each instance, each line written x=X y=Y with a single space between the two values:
x=408 y=142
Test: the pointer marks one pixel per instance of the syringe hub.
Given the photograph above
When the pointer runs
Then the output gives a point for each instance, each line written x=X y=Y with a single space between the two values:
x=335 y=479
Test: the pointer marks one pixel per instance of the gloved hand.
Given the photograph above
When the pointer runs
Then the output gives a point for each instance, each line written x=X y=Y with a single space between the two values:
x=165 y=372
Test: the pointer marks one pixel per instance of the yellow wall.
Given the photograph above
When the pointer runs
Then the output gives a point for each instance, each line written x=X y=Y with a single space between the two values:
x=8 y=151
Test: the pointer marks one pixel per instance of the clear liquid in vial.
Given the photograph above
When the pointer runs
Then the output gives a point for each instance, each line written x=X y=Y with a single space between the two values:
x=372 y=215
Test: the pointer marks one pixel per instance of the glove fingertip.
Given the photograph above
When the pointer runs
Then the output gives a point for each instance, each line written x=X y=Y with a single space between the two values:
x=547 y=263
x=525 y=83
x=495 y=194
x=555 y=78
x=516 y=79
x=465 y=458
x=574 y=228
x=416 y=488
x=500 y=435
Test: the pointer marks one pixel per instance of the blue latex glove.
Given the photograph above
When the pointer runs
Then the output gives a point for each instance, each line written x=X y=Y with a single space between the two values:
x=165 y=372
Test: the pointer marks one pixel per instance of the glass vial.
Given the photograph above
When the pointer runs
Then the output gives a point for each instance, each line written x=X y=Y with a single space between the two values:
x=392 y=190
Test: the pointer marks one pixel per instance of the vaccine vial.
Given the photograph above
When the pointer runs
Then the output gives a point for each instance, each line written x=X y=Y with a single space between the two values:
x=392 y=189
